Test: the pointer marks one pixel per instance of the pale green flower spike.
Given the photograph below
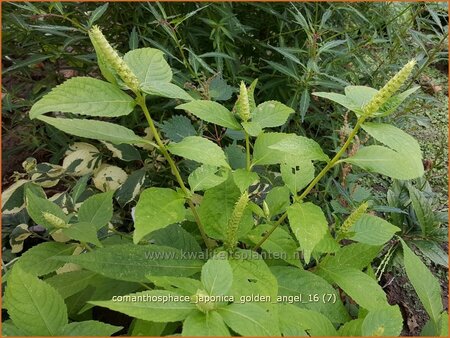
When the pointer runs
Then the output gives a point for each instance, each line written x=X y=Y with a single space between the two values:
x=113 y=59
x=353 y=218
x=243 y=107
x=389 y=89
x=235 y=220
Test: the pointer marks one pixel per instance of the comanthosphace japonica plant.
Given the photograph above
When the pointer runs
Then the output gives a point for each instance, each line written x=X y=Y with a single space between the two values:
x=224 y=286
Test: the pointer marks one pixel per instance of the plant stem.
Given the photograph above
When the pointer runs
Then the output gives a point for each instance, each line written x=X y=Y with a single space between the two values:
x=162 y=148
x=247 y=148
x=308 y=189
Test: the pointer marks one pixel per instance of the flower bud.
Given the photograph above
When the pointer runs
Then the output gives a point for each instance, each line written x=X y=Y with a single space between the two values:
x=234 y=221
x=243 y=105
x=353 y=218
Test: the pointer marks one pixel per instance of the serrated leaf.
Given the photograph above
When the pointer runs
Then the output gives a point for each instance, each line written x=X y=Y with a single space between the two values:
x=38 y=207
x=148 y=64
x=129 y=262
x=296 y=177
x=293 y=282
x=301 y=146
x=222 y=197
x=278 y=200
x=212 y=112
x=89 y=328
x=315 y=323
x=387 y=162
x=372 y=230
x=279 y=242
x=180 y=285
x=206 y=177
x=244 y=178
x=309 y=225
x=156 y=311
x=33 y=305
x=199 y=149
x=97 y=210
x=175 y=237
x=219 y=89
x=252 y=128
x=177 y=128
x=156 y=209
x=38 y=260
x=83 y=232
x=425 y=284
x=271 y=114
x=387 y=321
x=85 y=96
x=208 y=324
x=362 y=288
x=165 y=89
x=249 y=320
x=217 y=276
x=97 y=130
x=69 y=283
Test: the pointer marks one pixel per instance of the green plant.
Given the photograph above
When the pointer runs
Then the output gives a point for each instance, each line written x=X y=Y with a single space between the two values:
x=224 y=285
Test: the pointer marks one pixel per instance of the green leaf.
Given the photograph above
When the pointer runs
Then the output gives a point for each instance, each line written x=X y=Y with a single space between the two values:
x=97 y=210
x=33 y=305
x=433 y=251
x=404 y=150
x=124 y=151
x=425 y=284
x=351 y=328
x=180 y=285
x=176 y=237
x=85 y=96
x=83 y=232
x=244 y=178
x=362 y=288
x=212 y=112
x=394 y=138
x=132 y=263
x=296 y=177
x=219 y=89
x=294 y=282
x=206 y=177
x=9 y=329
x=149 y=65
x=304 y=103
x=252 y=276
x=279 y=243
x=42 y=210
x=439 y=329
x=147 y=328
x=309 y=225
x=300 y=146
x=217 y=276
x=165 y=89
x=199 y=149
x=278 y=200
x=249 y=320
x=360 y=95
x=271 y=114
x=69 y=283
x=372 y=230
x=89 y=328
x=222 y=197
x=387 y=321
x=264 y=154
x=38 y=260
x=208 y=324
x=156 y=209
x=340 y=99
x=423 y=209
x=252 y=128
x=387 y=162
x=355 y=255
x=312 y=322
x=177 y=128
x=139 y=306
x=97 y=130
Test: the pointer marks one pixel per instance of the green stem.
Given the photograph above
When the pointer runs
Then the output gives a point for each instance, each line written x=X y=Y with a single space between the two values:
x=162 y=148
x=247 y=148
x=308 y=189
